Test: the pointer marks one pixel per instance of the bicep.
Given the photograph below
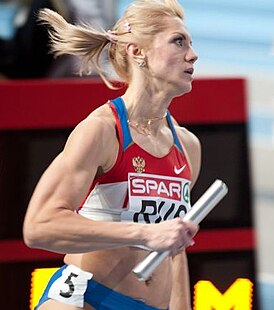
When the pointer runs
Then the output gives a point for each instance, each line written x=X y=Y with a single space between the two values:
x=60 y=188
x=67 y=180
x=63 y=183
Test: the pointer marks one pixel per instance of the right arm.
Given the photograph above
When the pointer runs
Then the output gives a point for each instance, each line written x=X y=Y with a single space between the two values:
x=51 y=222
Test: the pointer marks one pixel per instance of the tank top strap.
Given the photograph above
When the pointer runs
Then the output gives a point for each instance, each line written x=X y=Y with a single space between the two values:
x=175 y=136
x=119 y=109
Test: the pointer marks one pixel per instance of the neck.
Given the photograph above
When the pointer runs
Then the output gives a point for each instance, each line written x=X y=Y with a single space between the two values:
x=145 y=126
x=146 y=110
x=145 y=104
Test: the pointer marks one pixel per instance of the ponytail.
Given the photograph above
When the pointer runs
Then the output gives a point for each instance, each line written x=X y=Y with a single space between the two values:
x=77 y=40
x=141 y=21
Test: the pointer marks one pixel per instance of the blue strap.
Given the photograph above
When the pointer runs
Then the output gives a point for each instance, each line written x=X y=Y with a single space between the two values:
x=122 y=114
x=175 y=137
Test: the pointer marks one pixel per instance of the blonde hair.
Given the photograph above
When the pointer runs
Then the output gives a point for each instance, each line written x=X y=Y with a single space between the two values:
x=140 y=22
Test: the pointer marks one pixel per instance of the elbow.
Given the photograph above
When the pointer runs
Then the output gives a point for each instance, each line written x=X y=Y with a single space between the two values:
x=31 y=236
x=39 y=236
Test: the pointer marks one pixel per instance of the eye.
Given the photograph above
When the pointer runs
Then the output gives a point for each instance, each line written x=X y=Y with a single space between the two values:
x=179 y=41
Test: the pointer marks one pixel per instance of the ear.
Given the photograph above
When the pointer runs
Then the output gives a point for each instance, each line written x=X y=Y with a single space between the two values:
x=135 y=52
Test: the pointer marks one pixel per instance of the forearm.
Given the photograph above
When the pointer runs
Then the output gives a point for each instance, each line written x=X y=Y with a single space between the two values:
x=69 y=232
x=180 y=295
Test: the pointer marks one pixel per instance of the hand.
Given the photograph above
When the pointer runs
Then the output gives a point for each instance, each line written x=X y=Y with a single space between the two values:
x=174 y=235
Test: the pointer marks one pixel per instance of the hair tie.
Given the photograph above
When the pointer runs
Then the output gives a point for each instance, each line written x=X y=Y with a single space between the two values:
x=110 y=35
x=127 y=26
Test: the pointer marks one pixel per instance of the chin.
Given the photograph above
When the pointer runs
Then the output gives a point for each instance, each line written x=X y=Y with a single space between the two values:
x=184 y=90
x=181 y=89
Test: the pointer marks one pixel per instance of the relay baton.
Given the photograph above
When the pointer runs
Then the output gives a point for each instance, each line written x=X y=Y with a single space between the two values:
x=197 y=213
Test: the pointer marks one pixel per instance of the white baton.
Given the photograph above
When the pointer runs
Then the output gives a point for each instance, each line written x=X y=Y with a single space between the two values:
x=197 y=213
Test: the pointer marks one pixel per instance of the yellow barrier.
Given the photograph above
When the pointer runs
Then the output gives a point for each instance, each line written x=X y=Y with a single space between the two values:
x=39 y=280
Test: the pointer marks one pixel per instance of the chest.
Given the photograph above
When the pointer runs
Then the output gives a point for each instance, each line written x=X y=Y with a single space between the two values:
x=158 y=146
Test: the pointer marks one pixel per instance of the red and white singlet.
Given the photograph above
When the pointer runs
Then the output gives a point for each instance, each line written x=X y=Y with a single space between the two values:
x=140 y=187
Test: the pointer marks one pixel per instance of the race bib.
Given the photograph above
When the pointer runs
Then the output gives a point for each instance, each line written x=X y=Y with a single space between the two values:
x=71 y=286
x=155 y=198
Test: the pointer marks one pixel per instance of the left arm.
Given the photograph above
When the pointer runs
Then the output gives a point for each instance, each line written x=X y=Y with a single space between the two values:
x=180 y=295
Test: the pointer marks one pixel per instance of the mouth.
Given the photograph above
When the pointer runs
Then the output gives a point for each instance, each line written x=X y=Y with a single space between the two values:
x=189 y=71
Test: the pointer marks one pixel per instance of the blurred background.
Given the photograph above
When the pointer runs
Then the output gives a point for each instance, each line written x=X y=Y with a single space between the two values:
x=233 y=38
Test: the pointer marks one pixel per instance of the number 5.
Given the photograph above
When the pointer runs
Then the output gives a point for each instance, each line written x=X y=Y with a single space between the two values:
x=69 y=293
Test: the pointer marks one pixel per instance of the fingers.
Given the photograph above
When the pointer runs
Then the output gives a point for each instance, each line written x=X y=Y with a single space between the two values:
x=191 y=228
x=186 y=238
x=174 y=235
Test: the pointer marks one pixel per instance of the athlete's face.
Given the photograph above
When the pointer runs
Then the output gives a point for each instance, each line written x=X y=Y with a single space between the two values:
x=171 y=58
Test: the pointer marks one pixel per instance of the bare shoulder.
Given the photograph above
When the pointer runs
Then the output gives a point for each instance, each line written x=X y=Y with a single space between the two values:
x=94 y=138
x=190 y=141
x=192 y=148
x=100 y=121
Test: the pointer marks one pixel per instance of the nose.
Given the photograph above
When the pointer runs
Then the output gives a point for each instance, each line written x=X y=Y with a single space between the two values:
x=191 y=55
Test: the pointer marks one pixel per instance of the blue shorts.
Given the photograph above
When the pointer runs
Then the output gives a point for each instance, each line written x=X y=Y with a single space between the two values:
x=74 y=287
